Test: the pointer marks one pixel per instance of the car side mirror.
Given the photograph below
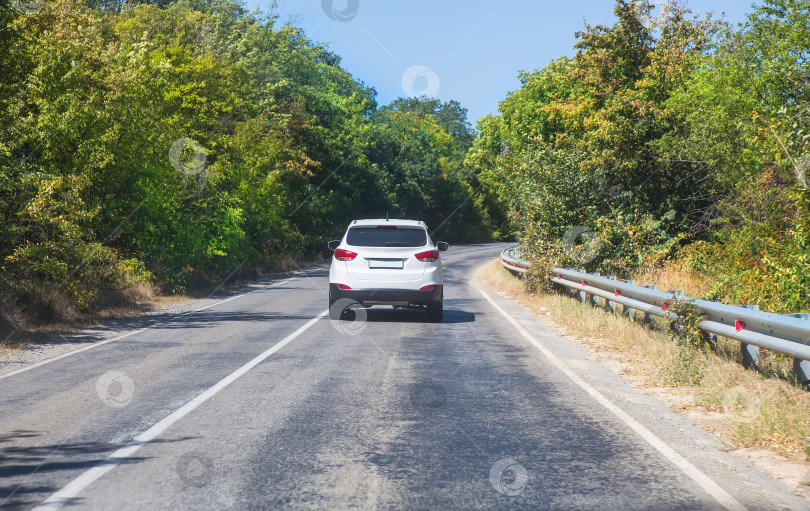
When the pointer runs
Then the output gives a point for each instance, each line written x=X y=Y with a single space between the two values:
x=333 y=244
x=442 y=246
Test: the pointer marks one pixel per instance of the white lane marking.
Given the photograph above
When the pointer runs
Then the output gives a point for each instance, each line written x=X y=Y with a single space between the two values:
x=69 y=353
x=102 y=343
x=73 y=488
x=704 y=481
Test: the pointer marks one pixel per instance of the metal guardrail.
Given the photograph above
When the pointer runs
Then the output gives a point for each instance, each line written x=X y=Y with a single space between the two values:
x=510 y=258
x=788 y=334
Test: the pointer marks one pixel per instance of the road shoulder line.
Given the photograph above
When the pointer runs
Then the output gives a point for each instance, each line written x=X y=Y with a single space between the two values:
x=704 y=481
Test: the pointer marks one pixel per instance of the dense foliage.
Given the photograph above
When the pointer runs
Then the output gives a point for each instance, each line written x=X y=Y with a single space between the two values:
x=667 y=137
x=178 y=142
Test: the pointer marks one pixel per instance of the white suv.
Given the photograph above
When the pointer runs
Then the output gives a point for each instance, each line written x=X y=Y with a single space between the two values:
x=386 y=262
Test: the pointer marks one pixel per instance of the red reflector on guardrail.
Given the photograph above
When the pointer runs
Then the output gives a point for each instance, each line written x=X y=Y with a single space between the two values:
x=617 y=293
x=584 y=283
x=664 y=306
x=738 y=325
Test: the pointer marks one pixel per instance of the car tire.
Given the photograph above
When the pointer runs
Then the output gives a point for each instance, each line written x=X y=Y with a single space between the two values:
x=435 y=311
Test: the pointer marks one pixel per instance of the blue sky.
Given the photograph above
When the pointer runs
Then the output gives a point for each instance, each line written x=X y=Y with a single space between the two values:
x=467 y=50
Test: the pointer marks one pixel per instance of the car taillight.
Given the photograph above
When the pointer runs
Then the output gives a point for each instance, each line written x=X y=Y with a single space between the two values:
x=343 y=286
x=426 y=288
x=344 y=255
x=431 y=256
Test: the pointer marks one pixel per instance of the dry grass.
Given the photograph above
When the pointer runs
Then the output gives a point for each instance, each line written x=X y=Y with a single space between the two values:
x=5 y=350
x=288 y=263
x=18 y=331
x=749 y=408
x=671 y=276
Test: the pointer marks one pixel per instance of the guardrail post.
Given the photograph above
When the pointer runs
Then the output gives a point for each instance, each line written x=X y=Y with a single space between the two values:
x=648 y=318
x=630 y=313
x=710 y=338
x=676 y=293
x=801 y=368
x=593 y=298
x=750 y=353
x=609 y=304
x=580 y=295
x=750 y=356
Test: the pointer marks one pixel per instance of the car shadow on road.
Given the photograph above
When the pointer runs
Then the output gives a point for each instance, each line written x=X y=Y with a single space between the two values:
x=21 y=458
x=389 y=315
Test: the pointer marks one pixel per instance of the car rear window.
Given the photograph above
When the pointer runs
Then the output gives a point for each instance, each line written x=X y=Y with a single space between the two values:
x=386 y=237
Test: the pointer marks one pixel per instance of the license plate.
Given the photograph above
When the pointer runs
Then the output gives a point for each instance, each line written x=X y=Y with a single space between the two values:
x=395 y=264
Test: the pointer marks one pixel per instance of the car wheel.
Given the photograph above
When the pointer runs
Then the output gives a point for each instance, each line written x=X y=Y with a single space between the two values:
x=435 y=311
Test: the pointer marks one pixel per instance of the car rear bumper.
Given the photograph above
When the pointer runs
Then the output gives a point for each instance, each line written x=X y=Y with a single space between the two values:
x=402 y=297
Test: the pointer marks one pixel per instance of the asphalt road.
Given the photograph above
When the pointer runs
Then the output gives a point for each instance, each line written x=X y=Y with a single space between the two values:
x=261 y=402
